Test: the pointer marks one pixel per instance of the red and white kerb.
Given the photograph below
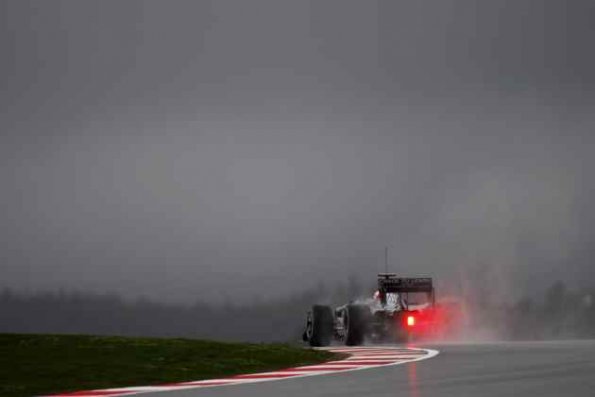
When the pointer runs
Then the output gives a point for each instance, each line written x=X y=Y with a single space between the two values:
x=359 y=358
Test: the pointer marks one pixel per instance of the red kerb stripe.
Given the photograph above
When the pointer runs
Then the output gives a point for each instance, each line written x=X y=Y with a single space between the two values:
x=264 y=376
x=307 y=369
x=355 y=362
x=97 y=393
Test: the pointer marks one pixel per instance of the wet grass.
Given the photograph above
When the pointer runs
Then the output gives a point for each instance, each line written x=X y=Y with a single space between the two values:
x=43 y=364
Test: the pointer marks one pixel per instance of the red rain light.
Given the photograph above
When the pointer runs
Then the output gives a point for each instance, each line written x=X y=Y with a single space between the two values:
x=410 y=321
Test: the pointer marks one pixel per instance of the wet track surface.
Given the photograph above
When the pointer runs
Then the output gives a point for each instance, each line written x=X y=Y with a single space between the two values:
x=490 y=369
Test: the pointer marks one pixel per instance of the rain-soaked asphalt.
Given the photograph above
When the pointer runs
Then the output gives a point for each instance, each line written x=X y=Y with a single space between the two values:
x=540 y=369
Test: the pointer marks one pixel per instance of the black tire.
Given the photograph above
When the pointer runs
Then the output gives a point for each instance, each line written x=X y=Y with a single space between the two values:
x=322 y=324
x=357 y=319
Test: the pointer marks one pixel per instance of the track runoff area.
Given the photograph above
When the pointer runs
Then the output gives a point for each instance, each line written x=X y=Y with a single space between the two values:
x=359 y=358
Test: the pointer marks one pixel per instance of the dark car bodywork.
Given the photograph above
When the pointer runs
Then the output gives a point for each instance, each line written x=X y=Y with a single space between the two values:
x=402 y=308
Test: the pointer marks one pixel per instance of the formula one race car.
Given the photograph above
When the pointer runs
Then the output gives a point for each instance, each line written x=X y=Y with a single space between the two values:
x=401 y=309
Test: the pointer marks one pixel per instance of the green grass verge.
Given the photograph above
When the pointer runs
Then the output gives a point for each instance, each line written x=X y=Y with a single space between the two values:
x=41 y=364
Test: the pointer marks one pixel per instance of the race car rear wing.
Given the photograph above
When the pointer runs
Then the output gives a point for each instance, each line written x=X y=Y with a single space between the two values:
x=390 y=283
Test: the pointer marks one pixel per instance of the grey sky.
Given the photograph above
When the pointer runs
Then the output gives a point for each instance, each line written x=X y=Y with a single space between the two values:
x=179 y=149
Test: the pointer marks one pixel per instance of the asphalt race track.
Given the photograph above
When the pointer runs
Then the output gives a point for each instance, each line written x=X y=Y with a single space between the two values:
x=537 y=369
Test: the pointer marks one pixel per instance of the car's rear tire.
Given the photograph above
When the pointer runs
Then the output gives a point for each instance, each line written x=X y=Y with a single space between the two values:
x=321 y=326
x=357 y=319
